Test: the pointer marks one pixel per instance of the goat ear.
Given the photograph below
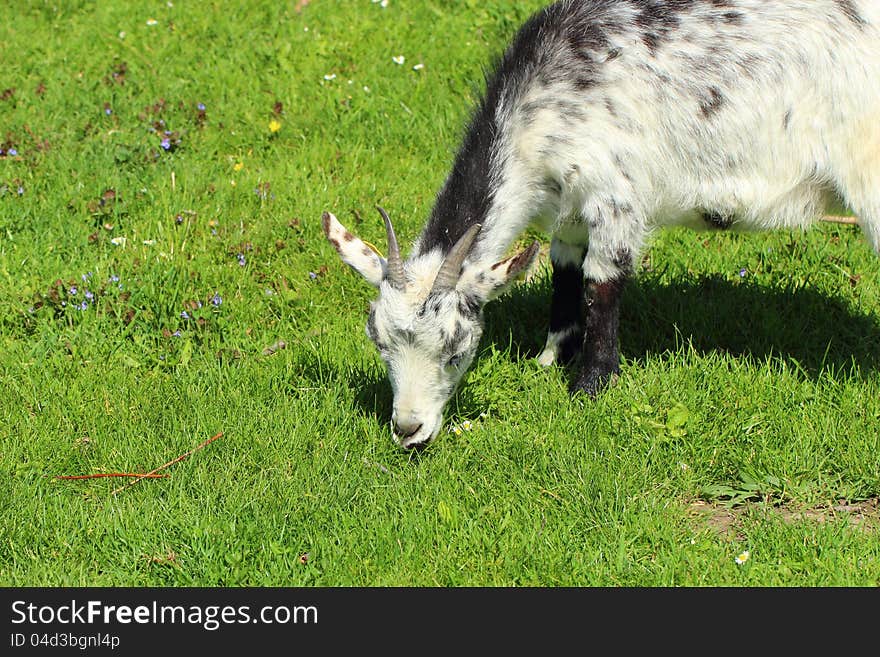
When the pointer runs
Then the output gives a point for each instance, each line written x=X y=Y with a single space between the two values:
x=493 y=281
x=354 y=252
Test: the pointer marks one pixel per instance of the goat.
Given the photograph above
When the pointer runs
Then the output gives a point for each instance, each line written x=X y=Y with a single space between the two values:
x=602 y=121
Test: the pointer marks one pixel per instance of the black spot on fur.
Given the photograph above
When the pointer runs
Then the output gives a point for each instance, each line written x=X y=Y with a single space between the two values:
x=609 y=107
x=657 y=20
x=623 y=260
x=718 y=220
x=849 y=10
x=733 y=17
x=652 y=41
x=711 y=102
x=786 y=119
x=469 y=306
x=452 y=344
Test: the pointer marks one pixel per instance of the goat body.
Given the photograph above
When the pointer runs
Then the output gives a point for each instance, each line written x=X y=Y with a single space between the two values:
x=602 y=121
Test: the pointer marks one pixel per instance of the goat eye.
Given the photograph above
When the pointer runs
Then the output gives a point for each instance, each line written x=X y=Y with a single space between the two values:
x=454 y=361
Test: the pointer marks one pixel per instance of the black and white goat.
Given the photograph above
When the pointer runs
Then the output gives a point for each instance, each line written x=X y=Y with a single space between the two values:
x=603 y=120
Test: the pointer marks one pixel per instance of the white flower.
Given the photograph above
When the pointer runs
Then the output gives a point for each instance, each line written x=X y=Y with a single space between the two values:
x=330 y=76
x=466 y=425
x=742 y=557
x=418 y=67
x=152 y=21
x=118 y=241
x=149 y=242
x=399 y=60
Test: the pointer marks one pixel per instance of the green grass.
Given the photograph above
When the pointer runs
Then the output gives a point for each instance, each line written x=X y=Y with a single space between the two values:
x=759 y=390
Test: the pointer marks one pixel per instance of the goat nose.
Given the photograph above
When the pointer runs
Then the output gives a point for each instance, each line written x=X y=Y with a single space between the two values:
x=405 y=429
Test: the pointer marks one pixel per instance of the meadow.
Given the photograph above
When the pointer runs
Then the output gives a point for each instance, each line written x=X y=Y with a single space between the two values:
x=164 y=279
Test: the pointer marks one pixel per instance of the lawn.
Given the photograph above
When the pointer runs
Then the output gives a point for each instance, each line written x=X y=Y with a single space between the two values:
x=164 y=278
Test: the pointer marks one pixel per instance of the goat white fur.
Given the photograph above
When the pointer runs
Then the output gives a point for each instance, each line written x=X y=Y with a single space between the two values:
x=606 y=119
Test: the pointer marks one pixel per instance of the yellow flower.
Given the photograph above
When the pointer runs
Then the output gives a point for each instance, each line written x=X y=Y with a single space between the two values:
x=238 y=166
x=274 y=126
x=742 y=557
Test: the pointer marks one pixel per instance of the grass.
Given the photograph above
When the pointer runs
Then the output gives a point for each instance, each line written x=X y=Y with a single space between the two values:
x=749 y=390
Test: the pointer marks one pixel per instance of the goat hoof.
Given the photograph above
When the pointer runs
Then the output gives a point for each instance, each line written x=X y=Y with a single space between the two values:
x=595 y=380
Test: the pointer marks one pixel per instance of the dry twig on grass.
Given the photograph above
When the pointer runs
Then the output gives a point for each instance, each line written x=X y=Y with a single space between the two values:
x=111 y=474
x=172 y=462
x=137 y=476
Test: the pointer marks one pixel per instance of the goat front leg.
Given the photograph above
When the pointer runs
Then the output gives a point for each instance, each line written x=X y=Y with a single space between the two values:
x=616 y=237
x=566 y=333
x=600 y=358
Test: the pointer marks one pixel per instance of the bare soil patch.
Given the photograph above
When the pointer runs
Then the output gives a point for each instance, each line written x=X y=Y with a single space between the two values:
x=726 y=520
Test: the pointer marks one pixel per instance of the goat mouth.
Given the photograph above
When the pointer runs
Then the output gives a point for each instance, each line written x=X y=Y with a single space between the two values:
x=415 y=441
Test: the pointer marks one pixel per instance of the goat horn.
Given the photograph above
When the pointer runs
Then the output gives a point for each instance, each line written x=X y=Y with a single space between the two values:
x=450 y=270
x=394 y=275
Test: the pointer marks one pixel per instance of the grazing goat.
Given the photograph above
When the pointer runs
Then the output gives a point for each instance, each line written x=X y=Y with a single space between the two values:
x=606 y=119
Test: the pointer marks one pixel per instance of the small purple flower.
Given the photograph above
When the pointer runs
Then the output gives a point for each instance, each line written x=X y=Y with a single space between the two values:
x=83 y=305
x=13 y=152
x=241 y=260
x=313 y=275
x=184 y=315
x=89 y=295
x=216 y=300
x=108 y=111
x=176 y=334
x=86 y=276
x=20 y=190
x=178 y=219
x=72 y=290
x=201 y=107
x=166 y=144
x=743 y=272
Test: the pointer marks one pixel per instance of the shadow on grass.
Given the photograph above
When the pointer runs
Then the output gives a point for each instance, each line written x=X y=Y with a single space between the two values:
x=805 y=327
x=810 y=330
